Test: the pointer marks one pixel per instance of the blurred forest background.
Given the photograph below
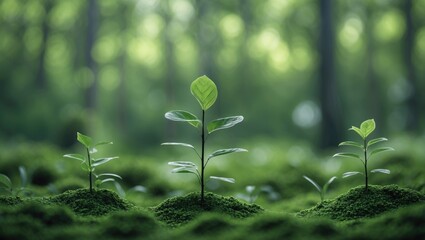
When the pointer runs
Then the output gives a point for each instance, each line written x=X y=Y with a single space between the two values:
x=301 y=70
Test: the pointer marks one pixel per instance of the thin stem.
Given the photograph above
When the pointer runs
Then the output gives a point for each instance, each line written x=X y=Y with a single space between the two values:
x=365 y=163
x=203 y=158
x=90 y=172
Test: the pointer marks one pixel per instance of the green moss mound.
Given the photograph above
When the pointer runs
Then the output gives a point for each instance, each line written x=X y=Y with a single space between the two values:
x=180 y=210
x=359 y=203
x=9 y=201
x=96 y=203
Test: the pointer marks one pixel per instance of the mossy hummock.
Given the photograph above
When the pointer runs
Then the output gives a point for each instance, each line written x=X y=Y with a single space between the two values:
x=177 y=211
x=95 y=203
x=362 y=203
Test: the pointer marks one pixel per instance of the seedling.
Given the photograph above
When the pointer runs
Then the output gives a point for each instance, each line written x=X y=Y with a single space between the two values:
x=89 y=164
x=7 y=186
x=205 y=92
x=366 y=128
x=251 y=195
x=322 y=190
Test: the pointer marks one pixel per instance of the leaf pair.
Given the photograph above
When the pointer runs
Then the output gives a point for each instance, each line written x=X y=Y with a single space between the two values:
x=322 y=190
x=378 y=170
x=366 y=128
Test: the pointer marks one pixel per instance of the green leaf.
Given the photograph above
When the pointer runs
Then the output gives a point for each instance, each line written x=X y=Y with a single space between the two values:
x=184 y=170
x=182 y=164
x=223 y=123
x=349 y=174
x=382 y=149
x=177 y=144
x=326 y=186
x=348 y=155
x=367 y=127
x=205 y=91
x=5 y=181
x=314 y=183
x=103 y=143
x=110 y=175
x=381 y=170
x=85 y=140
x=105 y=180
x=183 y=116
x=229 y=180
x=78 y=157
x=226 y=151
x=375 y=141
x=100 y=161
x=358 y=131
x=351 y=143
x=85 y=167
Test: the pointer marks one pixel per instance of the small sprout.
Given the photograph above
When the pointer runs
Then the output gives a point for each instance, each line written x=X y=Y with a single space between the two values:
x=366 y=128
x=89 y=164
x=7 y=186
x=322 y=190
x=205 y=92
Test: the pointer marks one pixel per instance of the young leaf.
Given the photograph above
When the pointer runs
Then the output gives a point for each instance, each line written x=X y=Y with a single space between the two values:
x=85 y=140
x=183 y=116
x=205 y=91
x=326 y=186
x=229 y=180
x=182 y=164
x=185 y=169
x=226 y=151
x=78 y=157
x=358 y=131
x=106 y=180
x=103 y=143
x=367 y=127
x=85 y=167
x=348 y=155
x=100 y=161
x=349 y=174
x=313 y=183
x=380 y=170
x=93 y=150
x=120 y=189
x=110 y=175
x=223 y=123
x=5 y=181
x=180 y=144
x=382 y=149
x=351 y=143
x=376 y=140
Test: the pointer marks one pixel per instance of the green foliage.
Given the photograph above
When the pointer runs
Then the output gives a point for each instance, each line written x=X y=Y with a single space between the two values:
x=205 y=92
x=356 y=204
x=7 y=186
x=366 y=128
x=89 y=164
x=322 y=190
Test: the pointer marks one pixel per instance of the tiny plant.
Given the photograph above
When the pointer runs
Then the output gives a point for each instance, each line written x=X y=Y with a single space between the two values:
x=6 y=183
x=366 y=128
x=89 y=163
x=322 y=190
x=205 y=92
x=251 y=195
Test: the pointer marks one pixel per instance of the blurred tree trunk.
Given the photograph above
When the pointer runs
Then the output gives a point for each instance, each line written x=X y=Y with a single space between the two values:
x=41 y=72
x=328 y=90
x=412 y=101
x=92 y=25
x=373 y=99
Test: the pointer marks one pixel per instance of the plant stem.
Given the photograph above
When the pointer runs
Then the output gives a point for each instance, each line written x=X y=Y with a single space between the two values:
x=90 y=172
x=202 y=158
x=365 y=163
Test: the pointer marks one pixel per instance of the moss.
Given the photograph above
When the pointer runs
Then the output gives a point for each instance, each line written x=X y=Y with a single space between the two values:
x=9 y=201
x=96 y=203
x=359 y=203
x=180 y=210
x=130 y=224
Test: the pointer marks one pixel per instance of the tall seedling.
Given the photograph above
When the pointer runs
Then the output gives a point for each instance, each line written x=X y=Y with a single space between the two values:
x=205 y=91
x=366 y=128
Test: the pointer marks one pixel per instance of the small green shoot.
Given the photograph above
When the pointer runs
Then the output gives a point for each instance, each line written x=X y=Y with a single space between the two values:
x=7 y=186
x=322 y=190
x=366 y=128
x=89 y=164
x=205 y=92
